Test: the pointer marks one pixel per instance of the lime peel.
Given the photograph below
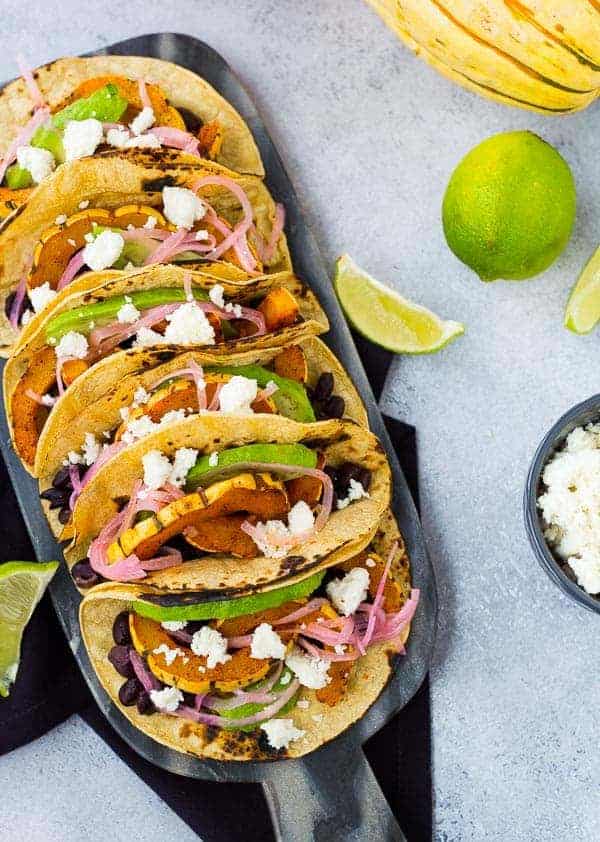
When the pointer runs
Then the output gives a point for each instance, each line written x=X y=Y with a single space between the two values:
x=386 y=318
x=22 y=585
x=583 y=307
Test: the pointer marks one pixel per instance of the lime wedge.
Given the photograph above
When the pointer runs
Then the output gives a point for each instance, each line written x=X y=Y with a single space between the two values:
x=225 y=609
x=583 y=307
x=22 y=584
x=385 y=317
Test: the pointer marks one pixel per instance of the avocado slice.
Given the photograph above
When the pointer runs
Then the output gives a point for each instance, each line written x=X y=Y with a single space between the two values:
x=80 y=319
x=287 y=454
x=250 y=708
x=17 y=177
x=225 y=609
x=51 y=140
x=106 y=104
x=290 y=398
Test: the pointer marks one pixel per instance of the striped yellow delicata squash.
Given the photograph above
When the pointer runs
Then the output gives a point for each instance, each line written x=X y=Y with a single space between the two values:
x=538 y=54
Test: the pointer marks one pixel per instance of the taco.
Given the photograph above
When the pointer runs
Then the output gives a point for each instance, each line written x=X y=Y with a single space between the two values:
x=154 y=387
x=117 y=213
x=153 y=307
x=229 y=504
x=269 y=676
x=77 y=107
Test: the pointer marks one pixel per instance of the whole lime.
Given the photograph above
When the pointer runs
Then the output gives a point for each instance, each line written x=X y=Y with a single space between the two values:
x=509 y=207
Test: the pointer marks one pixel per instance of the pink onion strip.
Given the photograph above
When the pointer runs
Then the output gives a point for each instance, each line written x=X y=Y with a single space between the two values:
x=379 y=596
x=176 y=139
x=242 y=227
x=16 y=308
x=144 y=96
x=32 y=86
x=219 y=721
x=143 y=674
x=72 y=268
x=41 y=116
x=195 y=372
x=267 y=250
x=60 y=361
x=214 y=404
x=311 y=606
x=168 y=247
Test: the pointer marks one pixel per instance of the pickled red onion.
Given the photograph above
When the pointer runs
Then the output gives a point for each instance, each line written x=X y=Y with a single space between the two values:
x=240 y=230
x=195 y=372
x=32 y=85
x=176 y=139
x=143 y=674
x=72 y=268
x=267 y=250
x=214 y=404
x=311 y=606
x=41 y=116
x=379 y=596
x=16 y=308
x=168 y=247
x=144 y=96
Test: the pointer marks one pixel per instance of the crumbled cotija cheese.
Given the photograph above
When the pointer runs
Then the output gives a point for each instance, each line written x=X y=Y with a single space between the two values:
x=570 y=506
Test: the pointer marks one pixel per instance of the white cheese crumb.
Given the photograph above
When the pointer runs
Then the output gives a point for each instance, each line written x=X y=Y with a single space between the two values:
x=103 y=251
x=41 y=296
x=210 y=643
x=27 y=316
x=84 y=204
x=38 y=162
x=216 y=295
x=317 y=717
x=60 y=219
x=167 y=699
x=143 y=121
x=72 y=344
x=174 y=625
x=146 y=337
x=202 y=234
x=150 y=223
x=310 y=672
x=266 y=643
x=81 y=137
x=303 y=704
x=141 y=396
x=281 y=732
x=185 y=458
x=91 y=449
x=370 y=562
x=170 y=654
x=157 y=469
x=188 y=325
x=300 y=518
x=237 y=395
x=182 y=207
x=285 y=678
x=143 y=141
x=128 y=313
x=213 y=459
x=571 y=505
x=117 y=138
x=347 y=593
x=234 y=309
x=355 y=492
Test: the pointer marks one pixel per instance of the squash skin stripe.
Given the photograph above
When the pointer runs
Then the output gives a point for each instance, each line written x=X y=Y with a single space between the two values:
x=479 y=87
x=523 y=67
x=516 y=7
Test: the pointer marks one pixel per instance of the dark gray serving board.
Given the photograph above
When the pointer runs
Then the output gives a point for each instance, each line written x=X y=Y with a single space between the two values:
x=332 y=794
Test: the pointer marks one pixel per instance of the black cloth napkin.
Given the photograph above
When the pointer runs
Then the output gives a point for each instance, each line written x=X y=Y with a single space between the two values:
x=49 y=689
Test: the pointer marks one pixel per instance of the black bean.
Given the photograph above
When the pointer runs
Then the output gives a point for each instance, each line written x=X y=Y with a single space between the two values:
x=62 y=478
x=332 y=474
x=64 y=516
x=130 y=692
x=193 y=626
x=84 y=575
x=119 y=658
x=145 y=704
x=120 y=629
x=324 y=387
x=364 y=477
x=334 y=407
x=57 y=497
x=8 y=303
x=189 y=699
x=346 y=472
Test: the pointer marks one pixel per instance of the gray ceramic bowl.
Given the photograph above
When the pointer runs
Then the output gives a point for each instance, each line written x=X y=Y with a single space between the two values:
x=579 y=416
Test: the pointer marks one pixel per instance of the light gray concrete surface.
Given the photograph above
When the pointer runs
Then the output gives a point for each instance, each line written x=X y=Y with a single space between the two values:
x=370 y=136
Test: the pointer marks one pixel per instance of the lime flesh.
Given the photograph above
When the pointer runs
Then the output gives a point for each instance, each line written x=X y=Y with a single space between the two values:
x=385 y=317
x=583 y=308
x=22 y=584
x=225 y=609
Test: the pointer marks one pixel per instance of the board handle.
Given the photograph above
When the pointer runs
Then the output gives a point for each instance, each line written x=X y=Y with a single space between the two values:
x=329 y=796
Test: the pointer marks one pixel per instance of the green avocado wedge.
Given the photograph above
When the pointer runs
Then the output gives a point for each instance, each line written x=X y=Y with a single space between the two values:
x=286 y=454
x=83 y=319
x=290 y=398
x=106 y=104
x=225 y=609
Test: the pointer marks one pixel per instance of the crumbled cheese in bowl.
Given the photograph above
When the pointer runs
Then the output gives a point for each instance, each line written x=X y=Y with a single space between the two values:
x=570 y=505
